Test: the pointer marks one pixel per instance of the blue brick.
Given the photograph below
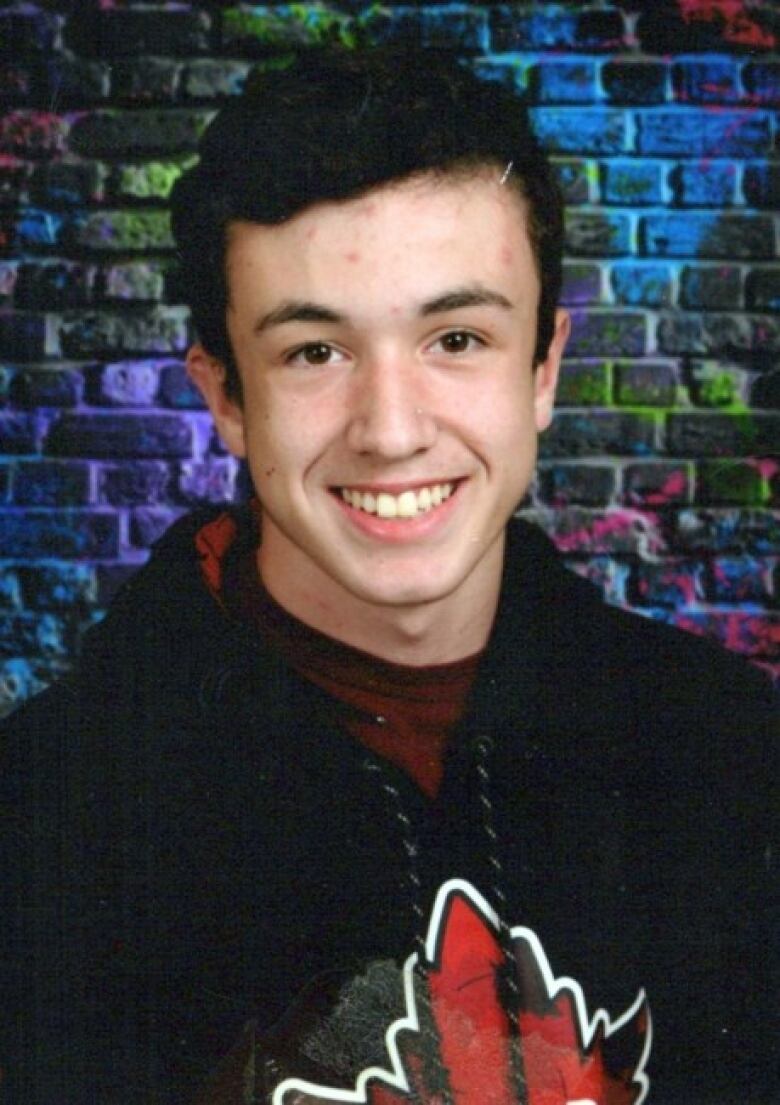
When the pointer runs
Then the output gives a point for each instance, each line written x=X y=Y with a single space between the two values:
x=672 y=583
x=563 y=81
x=607 y=333
x=573 y=176
x=36 y=635
x=36 y=228
x=17 y=684
x=133 y=484
x=574 y=130
x=454 y=27
x=762 y=81
x=543 y=27
x=717 y=287
x=48 y=483
x=706 y=184
x=18 y=433
x=761 y=184
x=739 y=579
x=23 y=336
x=58 y=586
x=692 y=133
x=634 y=82
x=10 y=589
x=706 y=81
x=642 y=285
x=598 y=234
x=632 y=182
x=120 y=435
x=27 y=534
x=581 y=283
x=177 y=390
x=700 y=235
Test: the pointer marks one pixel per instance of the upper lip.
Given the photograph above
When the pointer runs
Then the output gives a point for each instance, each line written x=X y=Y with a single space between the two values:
x=398 y=488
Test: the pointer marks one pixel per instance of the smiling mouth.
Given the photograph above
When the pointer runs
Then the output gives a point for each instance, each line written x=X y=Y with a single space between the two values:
x=408 y=504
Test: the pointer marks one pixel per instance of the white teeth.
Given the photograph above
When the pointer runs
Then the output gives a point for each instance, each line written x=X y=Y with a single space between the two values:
x=406 y=505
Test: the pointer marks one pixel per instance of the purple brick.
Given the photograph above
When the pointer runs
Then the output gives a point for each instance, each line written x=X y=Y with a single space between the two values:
x=608 y=333
x=672 y=583
x=723 y=435
x=18 y=433
x=740 y=579
x=563 y=80
x=586 y=484
x=124 y=384
x=598 y=234
x=136 y=483
x=30 y=534
x=705 y=184
x=705 y=235
x=111 y=578
x=207 y=482
x=177 y=390
x=727 y=482
x=120 y=435
x=581 y=283
x=47 y=387
x=583 y=383
x=642 y=285
x=574 y=434
x=579 y=530
x=632 y=182
x=51 y=483
x=139 y=281
x=148 y=524
x=717 y=287
x=104 y=333
x=657 y=483
x=578 y=130
x=706 y=81
x=635 y=82
x=23 y=336
x=704 y=134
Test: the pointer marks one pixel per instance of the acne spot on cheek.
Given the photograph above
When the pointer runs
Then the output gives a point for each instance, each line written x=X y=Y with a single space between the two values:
x=353 y=257
x=506 y=255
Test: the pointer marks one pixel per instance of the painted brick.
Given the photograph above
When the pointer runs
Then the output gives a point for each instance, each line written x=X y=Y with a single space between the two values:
x=145 y=80
x=630 y=81
x=58 y=586
x=610 y=576
x=657 y=483
x=207 y=482
x=574 y=176
x=765 y=392
x=36 y=229
x=645 y=384
x=30 y=533
x=762 y=81
x=18 y=433
x=704 y=184
x=47 y=387
x=727 y=482
x=586 y=484
x=261 y=28
x=761 y=184
x=678 y=332
x=703 y=134
x=765 y=335
x=206 y=79
x=509 y=70
x=134 y=484
x=700 y=25
x=584 y=383
x=117 y=32
x=563 y=80
x=104 y=436
x=33 y=133
x=739 y=579
x=607 y=333
x=51 y=483
x=26 y=32
x=672 y=583
x=600 y=30
x=137 y=133
x=77 y=82
x=706 y=81
x=753 y=532
x=148 y=330
x=723 y=435
x=585 y=131
x=745 y=633
x=23 y=336
x=121 y=230
x=704 y=235
x=632 y=182
x=574 y=434
x=123 y=384
x=642 y=285
x=10 y=590
x=67 y=184
x=148 y=524
x=17 y=684
x=714 y=384
x=542 y=27
x=177 y=390
x=592 y=234
x=580 y=530
x=35 y=634
x=458 y=27
x=581 y=283
x=8 y=273
x=53 y=285
x=132 y=281
x=716 y=287
x=762 y=288
x=148 y=180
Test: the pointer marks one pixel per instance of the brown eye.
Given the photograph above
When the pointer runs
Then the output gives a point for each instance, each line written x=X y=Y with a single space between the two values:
x=457 y=341
x=316 y=353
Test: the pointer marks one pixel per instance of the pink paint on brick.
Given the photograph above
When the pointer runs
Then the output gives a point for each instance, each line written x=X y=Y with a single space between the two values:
x=733 y=17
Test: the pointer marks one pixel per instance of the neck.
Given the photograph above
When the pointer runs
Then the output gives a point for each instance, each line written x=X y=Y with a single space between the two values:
x=418 y=635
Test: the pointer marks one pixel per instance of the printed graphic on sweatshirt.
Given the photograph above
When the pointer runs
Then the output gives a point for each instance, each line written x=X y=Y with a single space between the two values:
x=458 y=1045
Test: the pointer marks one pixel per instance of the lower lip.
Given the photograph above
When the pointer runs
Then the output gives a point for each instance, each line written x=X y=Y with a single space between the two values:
x=399 y=530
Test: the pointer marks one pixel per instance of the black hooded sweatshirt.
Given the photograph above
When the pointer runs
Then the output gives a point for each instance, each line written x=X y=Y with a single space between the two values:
x=189 y=842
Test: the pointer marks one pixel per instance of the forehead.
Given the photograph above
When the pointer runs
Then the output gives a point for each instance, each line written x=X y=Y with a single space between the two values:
x=477 y=220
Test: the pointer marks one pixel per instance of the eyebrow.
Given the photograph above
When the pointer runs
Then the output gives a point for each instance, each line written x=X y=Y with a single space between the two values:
x=453 y=300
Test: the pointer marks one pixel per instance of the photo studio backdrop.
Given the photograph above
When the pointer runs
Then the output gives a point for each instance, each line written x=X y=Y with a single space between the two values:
x=659 y=478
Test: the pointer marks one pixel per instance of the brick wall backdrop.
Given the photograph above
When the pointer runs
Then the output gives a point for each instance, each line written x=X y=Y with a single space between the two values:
x=657 y=478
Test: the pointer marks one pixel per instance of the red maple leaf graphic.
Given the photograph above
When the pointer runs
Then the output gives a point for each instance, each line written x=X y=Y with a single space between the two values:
x=457 y=1044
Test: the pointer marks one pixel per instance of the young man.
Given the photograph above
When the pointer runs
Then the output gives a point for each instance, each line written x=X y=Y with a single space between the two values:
x=363 y=772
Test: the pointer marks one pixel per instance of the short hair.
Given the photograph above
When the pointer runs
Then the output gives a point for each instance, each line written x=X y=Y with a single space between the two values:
x=333 y=126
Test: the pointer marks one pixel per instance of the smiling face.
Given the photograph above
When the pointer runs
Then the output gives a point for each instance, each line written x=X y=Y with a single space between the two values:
x=390 y=407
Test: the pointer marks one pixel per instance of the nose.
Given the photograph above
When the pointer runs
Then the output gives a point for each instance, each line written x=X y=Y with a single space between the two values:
x=390 y=410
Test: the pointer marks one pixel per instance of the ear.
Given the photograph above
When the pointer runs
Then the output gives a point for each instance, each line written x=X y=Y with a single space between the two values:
x=546 y=373
x=208 y=375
